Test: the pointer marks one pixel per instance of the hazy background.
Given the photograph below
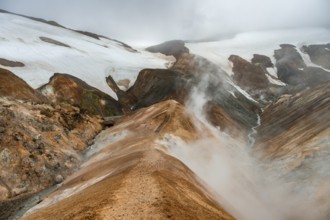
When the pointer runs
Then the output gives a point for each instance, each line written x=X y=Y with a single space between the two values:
x=152 y=21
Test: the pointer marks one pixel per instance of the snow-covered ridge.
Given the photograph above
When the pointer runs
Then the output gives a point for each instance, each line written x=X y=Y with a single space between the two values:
x=87 y=58
x=260 y=42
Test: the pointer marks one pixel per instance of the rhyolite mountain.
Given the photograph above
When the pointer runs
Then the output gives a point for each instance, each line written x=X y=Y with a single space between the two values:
x=91 y=128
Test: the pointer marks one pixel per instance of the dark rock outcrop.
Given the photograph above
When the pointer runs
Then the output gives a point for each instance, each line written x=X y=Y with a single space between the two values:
x=67 y=89
x=10 y=63
x=153 y=86
x=262 y=60
x=319 y=54
x=290 y=64
x=156 y=85
x=292 y=70
x=14 y=87
x=55 y=42
x=175 y=48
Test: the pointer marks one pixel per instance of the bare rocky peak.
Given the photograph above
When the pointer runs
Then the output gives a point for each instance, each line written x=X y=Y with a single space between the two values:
x=170 y=48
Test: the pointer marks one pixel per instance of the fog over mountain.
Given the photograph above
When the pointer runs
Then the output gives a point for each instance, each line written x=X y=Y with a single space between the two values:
x=150 y=21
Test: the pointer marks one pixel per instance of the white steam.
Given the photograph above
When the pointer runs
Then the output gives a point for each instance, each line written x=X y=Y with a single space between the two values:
x=244 y=188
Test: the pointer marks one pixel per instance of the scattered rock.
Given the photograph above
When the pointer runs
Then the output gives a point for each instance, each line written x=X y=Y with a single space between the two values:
x=40 y=171
x=4 y=193
x=5 y=156
x=59 y=178
x=18 y=191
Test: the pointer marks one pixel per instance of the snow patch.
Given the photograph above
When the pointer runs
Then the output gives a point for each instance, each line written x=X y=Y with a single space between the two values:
x=272 y=71
x=275 y=81
x=247 y=95
x=233 y=94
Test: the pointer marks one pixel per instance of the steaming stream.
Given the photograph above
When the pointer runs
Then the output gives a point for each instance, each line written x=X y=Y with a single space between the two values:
x=252 y=134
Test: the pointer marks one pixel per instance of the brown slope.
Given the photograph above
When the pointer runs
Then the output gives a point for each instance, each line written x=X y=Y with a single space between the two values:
x=293 y=125
x=14 y=87
x=67 y=89
x=137 y=180
x=293 y=143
